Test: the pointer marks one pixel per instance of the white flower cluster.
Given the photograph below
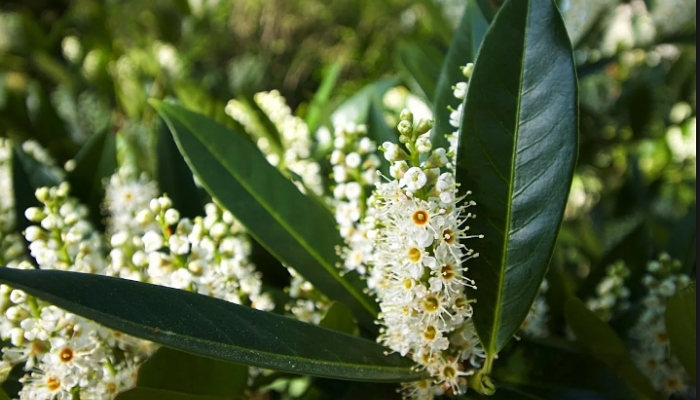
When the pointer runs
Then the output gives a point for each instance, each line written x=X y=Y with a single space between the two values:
x=307 y=304
x=535 y=324
x=355 y=165
x=207 y=255
x=612 y=296
x=651 y=348
x=66 y=356
x=296 y=140
x=420 y=263
x=459 y=91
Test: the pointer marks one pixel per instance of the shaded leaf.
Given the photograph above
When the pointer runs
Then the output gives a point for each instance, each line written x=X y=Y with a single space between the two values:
x=213 y=328
x=28 y=174
x=173 y=370
x=490 y=8
x=318 y=107
x=356 y=109
x=517 y=151
x=3 y=395
x=339 y=318
x=681 y=325
x=683 y=243
x=158 y=394
x=95 y=162
x=174 y=176
x=422 y=65
x=463 y=49
x=555 y=367
x=601 y=342
x=271 y=208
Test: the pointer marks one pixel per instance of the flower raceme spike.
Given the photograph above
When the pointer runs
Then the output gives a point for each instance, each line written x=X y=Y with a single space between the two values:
x=420 y=259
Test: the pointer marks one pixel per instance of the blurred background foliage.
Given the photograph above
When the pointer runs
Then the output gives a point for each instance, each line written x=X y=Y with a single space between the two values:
x=73 y=69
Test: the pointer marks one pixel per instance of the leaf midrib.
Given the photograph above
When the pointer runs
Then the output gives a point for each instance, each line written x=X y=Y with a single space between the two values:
x=493 y=345
x=278 y=356
x=331 y=269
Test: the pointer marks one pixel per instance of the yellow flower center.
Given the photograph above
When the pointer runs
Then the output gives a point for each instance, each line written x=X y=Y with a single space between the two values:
x=420 y=217
x=414 y=255
x=431 y=303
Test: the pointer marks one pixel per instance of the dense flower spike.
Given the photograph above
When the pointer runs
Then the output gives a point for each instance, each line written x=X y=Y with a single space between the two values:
x=64 y=355
x=651 y=349
x=355 y=167
x=612 y=296
x=296 y=141
x=420 y=261
x=207 y=255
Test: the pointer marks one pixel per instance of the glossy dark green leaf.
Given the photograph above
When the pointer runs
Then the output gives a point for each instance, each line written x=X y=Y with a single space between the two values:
x=463 y=49
x=174 y=176
x=185 y=373
x=517 y=151
x=318 y=107
x=293 y=227
x=600 y=341
x=421 y=63
x=364 y=107
x=213 y=328
x=159 y=394
x=94 y=163
x=681 y=325
x=27 y=175
x=339 y=318
x=490 y=7
x=554 y=366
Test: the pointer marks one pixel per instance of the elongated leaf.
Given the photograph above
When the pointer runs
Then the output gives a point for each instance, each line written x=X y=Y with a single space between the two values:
x=517 y=152
x=339 y=318
x=213 y=328
x=159 y=394
x=683 y=243
x=422 y=65
x=490 y=7
x=681 y=325
x=173 y=370
x=3 y=395
x=463 y=49
x=174 y=176
x=94 y=163
x=318 y=108
x=291 y=226
x=356 y=109
x=601 y=341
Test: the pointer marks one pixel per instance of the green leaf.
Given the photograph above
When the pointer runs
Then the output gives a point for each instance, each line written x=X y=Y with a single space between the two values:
x=94 y=163
x=3 y=395
x=556 y=366
x=517 y=151
x=271 y=208
x=173 y=370
x=318 y=108
x=158 y=394
x=213 y=328
x=463 y=49
x=683 y=243
x=601 y=341
x=364 y=107
x=490 y=8
x=27 y=175
x=681 y=325
x=174 y=176
x=422 y=65
x=339 y=318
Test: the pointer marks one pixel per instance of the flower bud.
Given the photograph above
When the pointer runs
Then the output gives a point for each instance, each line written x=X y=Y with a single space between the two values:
x=424 y=125
x=42 y=194
x=172 y=216
x=34 y=214
x=468 y=70
x=405 y=127
x=406 y=115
